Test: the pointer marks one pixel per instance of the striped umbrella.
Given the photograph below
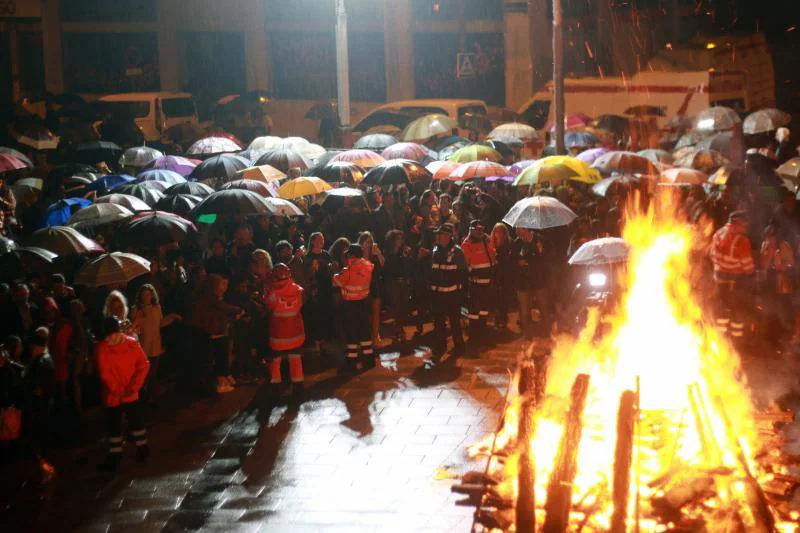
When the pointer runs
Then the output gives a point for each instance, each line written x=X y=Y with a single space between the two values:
x=63 y=241
x=98 y=215
x=364 y=158
x=139 y=156
x=212 y=146
x=442 y=170
x=405 y=150
x=514 y=129
x=125 y=200
x=154 y=228
x=116 y=268
x=478 y=169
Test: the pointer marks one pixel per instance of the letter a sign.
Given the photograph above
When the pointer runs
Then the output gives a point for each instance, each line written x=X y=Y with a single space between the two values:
x=465 y=66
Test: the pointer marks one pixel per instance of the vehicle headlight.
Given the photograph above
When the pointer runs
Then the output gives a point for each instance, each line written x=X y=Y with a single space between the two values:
x=597 y=279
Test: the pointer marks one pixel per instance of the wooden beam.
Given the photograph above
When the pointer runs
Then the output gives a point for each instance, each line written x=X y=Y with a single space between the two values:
x=526 y=474
x=623 y=459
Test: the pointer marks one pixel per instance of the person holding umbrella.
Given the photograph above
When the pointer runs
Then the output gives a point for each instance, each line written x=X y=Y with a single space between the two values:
x=447 y=275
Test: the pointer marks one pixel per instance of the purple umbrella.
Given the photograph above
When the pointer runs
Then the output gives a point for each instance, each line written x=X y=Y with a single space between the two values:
x=175 y=163
x=591 y=155
x=518 y=167
x=507 y=179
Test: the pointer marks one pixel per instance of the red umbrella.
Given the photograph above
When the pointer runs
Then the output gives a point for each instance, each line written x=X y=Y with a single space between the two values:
x=406 y=150
x=441 y=170
x=9 y=163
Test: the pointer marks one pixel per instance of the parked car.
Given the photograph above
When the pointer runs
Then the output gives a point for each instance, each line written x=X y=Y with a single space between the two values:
x=393 y=117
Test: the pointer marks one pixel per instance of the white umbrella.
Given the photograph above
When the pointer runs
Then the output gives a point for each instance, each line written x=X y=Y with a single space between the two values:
x=126 y=200
x=265 y=143
x=601 y=252
x=428 y=126
x=683 y=176
x=279 y=206
x=99 y=214
x=115 y=268
x=765 y=120
x=139 y=156
x=213 y=145
x=539 y=212
x=517 y=130
x=717 y=118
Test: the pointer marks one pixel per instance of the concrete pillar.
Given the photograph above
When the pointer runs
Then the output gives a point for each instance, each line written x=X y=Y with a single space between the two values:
x=519 y=53
x=257 y=58
x=399 y=50
x=51 y=42
x=167 y=48
x=541 y=35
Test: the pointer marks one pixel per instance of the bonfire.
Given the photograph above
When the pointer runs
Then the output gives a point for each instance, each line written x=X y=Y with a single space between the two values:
x=643 y=422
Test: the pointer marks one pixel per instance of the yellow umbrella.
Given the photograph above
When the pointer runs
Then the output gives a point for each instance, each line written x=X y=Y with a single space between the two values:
x=303 y=186
x=476 y=152
x=265 y=173
x=428 y=126
x=554 y=174
x=586 y=174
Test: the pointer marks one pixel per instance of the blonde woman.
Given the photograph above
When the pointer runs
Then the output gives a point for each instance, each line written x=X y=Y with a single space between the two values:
x=116 y=305
x=148 y=319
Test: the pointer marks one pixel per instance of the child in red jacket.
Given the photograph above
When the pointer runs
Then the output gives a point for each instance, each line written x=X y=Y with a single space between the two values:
x=122 y=366
x=286 y=328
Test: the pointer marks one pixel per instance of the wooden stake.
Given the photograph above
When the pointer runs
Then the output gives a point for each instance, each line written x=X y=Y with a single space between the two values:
x=623 y=460
x=526 y=476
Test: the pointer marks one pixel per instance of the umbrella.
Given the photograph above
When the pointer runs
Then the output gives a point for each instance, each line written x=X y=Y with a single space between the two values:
x=539 y=212
x=646 y=110
x=180 y=204
x=514 y=129
x=212 y=146
x=506 y=179
x=715 y=119
x=683 y=176
x=624 y=163
x=478 y=169
x=63 y=241
x=366 y=159
x=60 y=212
x=295 y=141
x=451 y=140
x=110 y=181
x=250 y=154
x=7 y=245
x=602 y=187
x=234 y=202
x=251 y=185
x=603 y=251
x=9 y=163
x=611 y=123
x=337 y=198
x=790 y=169
x=406 y=150
x=221 y=167
x=554 y=174
x=17 y=154
x=475 y=152
x=689 y=140
x=193 y=188
x=376 y=142
x=125 y=200
x=309 y=150
x=153 y=229
x=573 y=121
x=34 y=135
x=116 y=268
x=137 y=190
x=505 y=149
x=705 y=160
x=265 y=173
x=159 y=186
x=139 y=156
x=580 y=170
x=283 y=159
x=165 y=176
x=765 y=120
x=519 y=166
x=95 y=151
x=264 y=144
x=302 y=186
x=281 y=207
x=442 y=170
x=592 y=154
x=580 y=139
x=342 y=171
x=657 y=156
x=396 y=172
x=81 y=179
x=720 y=142
x=98 y=215
x=27 y=186
x=178 y=164
x=428 y=126
x=729 y=175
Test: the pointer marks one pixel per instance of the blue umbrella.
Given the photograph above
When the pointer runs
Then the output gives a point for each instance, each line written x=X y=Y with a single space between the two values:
x=156 y=174
x=59 y=213
x=108 y=182
x=579 y=139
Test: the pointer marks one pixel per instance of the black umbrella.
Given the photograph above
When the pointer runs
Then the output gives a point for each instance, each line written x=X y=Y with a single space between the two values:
x=283 y=159
x=137 y=190
x=377 y=142
x=503 y=148
x=63 y=241
x=232 y=201
x=154 y=228
x=193 y=188
x=341 y=171
x=321 y=162
x=397 y=172
x=95 y=151
x=613 y=123
x=69 y=169
x=336 y=198
x=180 y=204
x=221 y=167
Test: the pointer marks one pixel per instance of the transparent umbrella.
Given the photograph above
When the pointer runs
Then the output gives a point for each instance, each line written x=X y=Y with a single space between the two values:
x=539 y=212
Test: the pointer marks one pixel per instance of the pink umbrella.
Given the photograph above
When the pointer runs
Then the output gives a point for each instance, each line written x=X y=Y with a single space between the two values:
x=9 y=163
x=362 y=158
x=406 y=150
x=519 y=166
x=441 y=170
x=478 y=169
x=572 y=121
x=591 y=155
x=181 y=165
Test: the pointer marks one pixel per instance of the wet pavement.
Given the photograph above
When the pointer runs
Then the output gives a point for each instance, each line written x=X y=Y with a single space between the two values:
x=375 y=452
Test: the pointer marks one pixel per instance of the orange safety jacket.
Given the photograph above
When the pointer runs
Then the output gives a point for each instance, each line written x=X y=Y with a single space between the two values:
x=355 y=279
x=731 y=253
x=286 y=329
x=480 y=260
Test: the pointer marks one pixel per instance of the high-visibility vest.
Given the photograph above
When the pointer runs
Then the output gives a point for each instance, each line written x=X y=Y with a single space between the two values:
x=286 y=328
x=479 y=261
x=355 y=280
x=731 y=253
x=447 y=269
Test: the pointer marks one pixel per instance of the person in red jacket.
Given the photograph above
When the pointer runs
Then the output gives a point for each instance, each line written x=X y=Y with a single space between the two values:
x=732 y=256
x=480 y=256
x=286 y=329
x=354 y=282
x=122 y=366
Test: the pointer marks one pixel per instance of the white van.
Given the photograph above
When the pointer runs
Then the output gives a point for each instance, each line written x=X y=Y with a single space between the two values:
x=156 y=113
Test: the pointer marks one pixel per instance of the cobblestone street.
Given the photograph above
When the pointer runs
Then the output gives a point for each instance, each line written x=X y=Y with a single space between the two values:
x=376 y=452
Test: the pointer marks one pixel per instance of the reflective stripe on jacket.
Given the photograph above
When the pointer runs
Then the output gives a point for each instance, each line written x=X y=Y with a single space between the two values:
x=731 y=252
x=355 y=280
x=480 y=260
x=286 y=328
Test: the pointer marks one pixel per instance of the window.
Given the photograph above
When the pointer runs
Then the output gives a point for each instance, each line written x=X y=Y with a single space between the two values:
x=303 y=65
x=108 y=10
x=417 y=112
x=105 y=63
x=127 y=109
x=211 y=65
x=451 y=9
x=367 y=66
x=472 y=110
x=178 y=107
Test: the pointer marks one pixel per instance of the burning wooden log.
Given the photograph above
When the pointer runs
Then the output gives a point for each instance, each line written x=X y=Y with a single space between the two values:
x=526 y=476
x=623 y=459
x=559 y=489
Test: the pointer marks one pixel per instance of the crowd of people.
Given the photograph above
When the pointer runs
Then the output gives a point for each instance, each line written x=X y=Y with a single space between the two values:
x=253 y=298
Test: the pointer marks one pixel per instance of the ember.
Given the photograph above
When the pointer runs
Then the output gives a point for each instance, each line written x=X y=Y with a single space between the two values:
x=643 y=422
